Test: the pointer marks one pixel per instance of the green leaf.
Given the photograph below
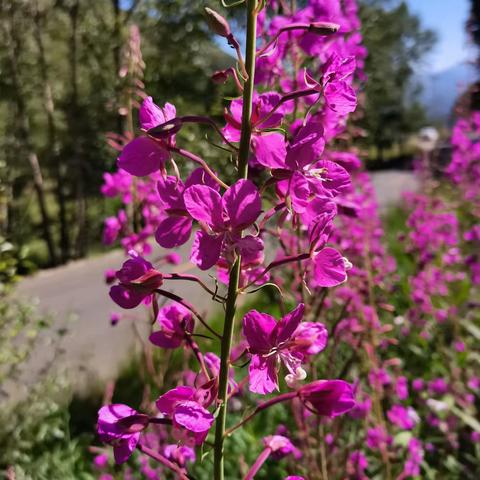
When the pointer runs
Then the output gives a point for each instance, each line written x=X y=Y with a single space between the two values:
x=471 y=421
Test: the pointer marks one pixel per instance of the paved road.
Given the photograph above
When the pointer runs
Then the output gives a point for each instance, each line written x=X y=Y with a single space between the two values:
x=81 y=340
x=390 y=184
x=90 y=349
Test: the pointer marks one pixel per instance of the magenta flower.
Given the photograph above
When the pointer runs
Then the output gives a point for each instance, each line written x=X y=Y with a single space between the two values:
x=271 y=342
x=329 y=398
x=191 y=421
x=401 y=388
x=302 y=175
x=176 y=228
x=179 y=454
x=120 y=426
x=264 y=144
x=357 y=464
x=144 y=155
x=138 y=280
x=378 y=438
x=403 y=417
x=175 y=322
x=222 y=220
x=329 y=268
x=113 y=227
x=281 y=446
x=338 y=93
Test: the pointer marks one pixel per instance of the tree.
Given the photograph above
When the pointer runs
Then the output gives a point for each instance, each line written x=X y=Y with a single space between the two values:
x=396 y=42
x=65 y=94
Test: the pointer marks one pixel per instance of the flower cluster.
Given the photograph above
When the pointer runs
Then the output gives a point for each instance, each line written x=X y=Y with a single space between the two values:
x=296 y=190
x=299 y=223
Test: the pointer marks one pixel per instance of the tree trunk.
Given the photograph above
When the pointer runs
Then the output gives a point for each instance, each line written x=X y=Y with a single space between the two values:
x=81 y=240
x=13 y=52
x=49 y=106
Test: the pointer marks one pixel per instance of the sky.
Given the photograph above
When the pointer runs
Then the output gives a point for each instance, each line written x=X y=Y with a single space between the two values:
x=447 y=18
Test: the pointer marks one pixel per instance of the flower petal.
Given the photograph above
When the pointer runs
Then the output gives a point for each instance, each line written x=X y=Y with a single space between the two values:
x=205 y=205
x=142 y=156
x=307 y=146
x=299 y=192
x=124 y=297
x=340 y=97
x=329 y=268
x=124 y=448
x=173 y=231
x=257 y=329
x=193 y=416
x=242 y=203
x=263 y=376
x=166 y=402
x=288 y=324
x=270 y=150
x=206 y=250
x=170 y=190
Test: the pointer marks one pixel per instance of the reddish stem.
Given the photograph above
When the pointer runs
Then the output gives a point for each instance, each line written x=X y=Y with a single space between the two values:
x=181 y=301
x=320 y=28
x=273 y=401
x=200 y=161
x=258 y=463
x=164 y=461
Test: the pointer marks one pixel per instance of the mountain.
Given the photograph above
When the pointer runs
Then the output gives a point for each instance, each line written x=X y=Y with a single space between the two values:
x=441 y=89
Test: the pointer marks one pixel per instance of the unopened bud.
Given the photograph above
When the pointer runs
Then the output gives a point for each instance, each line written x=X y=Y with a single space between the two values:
x=217 y=23
x=167 y=129
x=324 y=28
x=220 y=77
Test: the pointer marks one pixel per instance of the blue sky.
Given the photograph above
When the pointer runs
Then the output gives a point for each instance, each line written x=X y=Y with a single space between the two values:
x=447 y=18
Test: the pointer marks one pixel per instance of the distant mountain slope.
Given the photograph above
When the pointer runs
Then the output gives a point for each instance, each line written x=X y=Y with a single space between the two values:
x=440 y=90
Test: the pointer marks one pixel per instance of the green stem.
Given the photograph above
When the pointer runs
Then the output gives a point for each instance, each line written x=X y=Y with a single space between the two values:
x=244 y=148
x=231 y=304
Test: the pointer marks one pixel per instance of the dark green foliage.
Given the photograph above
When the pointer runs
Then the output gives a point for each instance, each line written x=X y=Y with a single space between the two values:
x=68 y=57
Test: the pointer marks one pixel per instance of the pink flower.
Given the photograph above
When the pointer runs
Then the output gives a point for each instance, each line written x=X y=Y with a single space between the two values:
x=357 y=464
x=301 y=174
x=176 y=228
x=329 y=268
x=338 y=93
x=281 y=446
x=361 y=409
x=264 y=144
x=223 y=219
x=438 y=386
x=151 y=115
x=404 y=418
x=175 y=322
x=191 y=421
x=401 y=388
x=145 y=155
x=100 y=461
x=137 y=282
x=179 y=454
x=120 y=426
x=377 y=438
x=329 y=398
x=271 y=342
x=112 y=227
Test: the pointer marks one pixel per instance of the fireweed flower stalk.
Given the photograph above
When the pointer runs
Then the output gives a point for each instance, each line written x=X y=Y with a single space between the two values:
x=289 y=190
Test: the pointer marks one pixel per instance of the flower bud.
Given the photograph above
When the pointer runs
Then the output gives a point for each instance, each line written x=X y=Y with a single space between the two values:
x=167 y=129
x=323 y=28
x=221 y=76
x=217 y=23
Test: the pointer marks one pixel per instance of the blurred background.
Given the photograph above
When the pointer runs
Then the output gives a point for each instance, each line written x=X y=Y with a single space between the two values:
x=63 y=83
